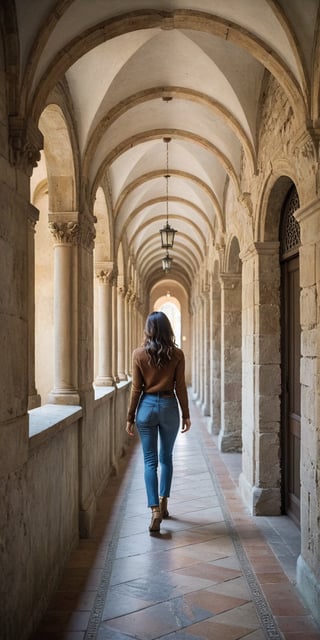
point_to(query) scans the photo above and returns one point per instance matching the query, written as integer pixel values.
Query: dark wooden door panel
(291, 421)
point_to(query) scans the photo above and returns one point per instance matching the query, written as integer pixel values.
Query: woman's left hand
(130, 428)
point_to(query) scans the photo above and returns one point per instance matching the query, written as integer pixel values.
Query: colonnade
(117, 318)
(236, 354)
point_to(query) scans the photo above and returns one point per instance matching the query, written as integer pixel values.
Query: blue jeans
(157, 416)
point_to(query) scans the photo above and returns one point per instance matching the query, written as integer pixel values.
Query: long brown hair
(159, 339)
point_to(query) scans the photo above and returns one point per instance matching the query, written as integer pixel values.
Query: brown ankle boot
(164, 507)
(155, 519)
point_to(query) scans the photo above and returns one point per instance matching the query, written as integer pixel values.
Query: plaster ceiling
(123, 60)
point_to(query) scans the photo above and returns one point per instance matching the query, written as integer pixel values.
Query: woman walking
(158, 381)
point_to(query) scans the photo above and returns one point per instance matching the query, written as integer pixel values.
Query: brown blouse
(149, 379)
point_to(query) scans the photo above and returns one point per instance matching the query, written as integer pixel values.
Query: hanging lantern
(167, 233)
(166, 263)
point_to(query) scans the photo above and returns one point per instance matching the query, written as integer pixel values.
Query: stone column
(128, 334)
(260, 478)
(193, 361)
(206, 352)
(122, 333)
(133, 314)
(65, 230)
(196, 342)
(34, 399)
(308, 567)
(200, 352)
(215, 369)
(114, 341)
(25, 141)
(230, 433)
(105, 278)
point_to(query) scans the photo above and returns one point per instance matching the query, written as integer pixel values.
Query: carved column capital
(65, 232)
(105, 272)
(26, 141)
(64, 226)
(104, 276)
(87, 232)
(122, 291)
(33, 217)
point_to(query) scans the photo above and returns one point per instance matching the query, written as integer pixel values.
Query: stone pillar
(308, 567)
(122, 333)
(128, 333)
(260, 479)
(34, 399)
(215, 368)
(105, 276)
(65, 230)
(197, 328)
(25, 141)
(200, 352)
(193, 353)
(114, 341)
(230, 433)
(133, 321)
(131, 329)
(206, 352)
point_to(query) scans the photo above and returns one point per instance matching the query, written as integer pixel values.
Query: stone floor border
(268, 622)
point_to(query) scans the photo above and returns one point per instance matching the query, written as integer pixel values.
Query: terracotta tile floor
(210, 574)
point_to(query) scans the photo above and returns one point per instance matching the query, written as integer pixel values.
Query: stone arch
(104, 232)
(273, 205)
(54, 193)
(264, 319)
(174, 20)
(170, 305)
(59, 158)
(169, 288)
(232, 257)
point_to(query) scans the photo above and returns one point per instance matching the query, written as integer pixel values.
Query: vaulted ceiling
(139, 71)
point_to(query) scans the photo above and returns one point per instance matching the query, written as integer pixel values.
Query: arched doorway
(171, 307)
(290, 356)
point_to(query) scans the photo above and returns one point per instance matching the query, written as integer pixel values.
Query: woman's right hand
(130, 428)
(186, 424)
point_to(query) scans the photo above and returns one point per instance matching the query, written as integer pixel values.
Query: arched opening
(282, 228)
(103, 279)
(171, 307)
(169, 290)
(289, 236)
(54, 193)
(44, 288)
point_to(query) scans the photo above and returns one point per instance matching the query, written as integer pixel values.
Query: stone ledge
(46, 421)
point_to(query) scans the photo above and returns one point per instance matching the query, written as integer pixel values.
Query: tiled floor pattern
(210, 573)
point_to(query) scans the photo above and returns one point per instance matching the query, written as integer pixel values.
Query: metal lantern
(167, 233)
(166, 263)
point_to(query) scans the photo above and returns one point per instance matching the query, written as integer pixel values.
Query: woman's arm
(181, 389)
(136, 390)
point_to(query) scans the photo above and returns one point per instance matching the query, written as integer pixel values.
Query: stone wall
(39, 502)
(308, 571)
(38, 528)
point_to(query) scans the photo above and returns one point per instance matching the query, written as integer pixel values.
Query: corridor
(211, 573)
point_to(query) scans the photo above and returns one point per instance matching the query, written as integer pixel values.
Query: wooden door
(291, 419)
